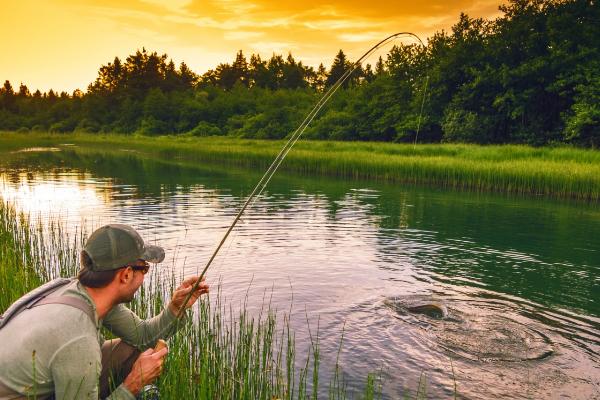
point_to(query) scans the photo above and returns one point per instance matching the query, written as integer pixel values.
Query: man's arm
(143, 334)
(76, 369)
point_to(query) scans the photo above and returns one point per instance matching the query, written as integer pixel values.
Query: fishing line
(265, 179)
(421, 112)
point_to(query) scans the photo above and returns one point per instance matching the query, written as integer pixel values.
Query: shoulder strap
(69, 301)
(29, 299)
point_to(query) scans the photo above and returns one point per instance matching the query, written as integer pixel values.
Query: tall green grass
(220, 353)
(31, 254)
(550, 171)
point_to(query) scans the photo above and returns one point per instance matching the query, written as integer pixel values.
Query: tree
(258, 73)
(7, 96)
(23, 91)
(240, 69)
(380, 67)
(368, 74)
(187, 77)
(321, 78)
(339, 66)
(293, 74)
(583, 119)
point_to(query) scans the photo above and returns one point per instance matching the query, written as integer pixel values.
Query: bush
(153, 126)
(206, 129)
(335, 125)
(62, 127)
(460, 125)
(87, 126)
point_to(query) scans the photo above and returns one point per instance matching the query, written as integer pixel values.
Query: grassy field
(550, 171)
(218, 354)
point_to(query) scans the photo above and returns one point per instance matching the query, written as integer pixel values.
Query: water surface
(338, 253)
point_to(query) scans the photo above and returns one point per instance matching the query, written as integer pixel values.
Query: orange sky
(60, 44)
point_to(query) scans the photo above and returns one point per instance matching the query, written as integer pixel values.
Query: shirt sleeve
(143, 334)
(76, 370)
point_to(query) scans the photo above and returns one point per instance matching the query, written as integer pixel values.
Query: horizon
(57, 45)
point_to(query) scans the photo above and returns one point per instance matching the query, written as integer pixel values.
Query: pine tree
(293, 74)
(379, 67)
(7, 89)
(257, 72)
(187, 76)
(23, 90)
(321, 78)
(240, 69)
(338, 68)
(7, 96)
(275, 68)
(368, 74)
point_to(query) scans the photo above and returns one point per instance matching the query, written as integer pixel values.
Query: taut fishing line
(262, 183)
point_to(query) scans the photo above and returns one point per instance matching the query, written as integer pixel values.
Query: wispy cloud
(242, 35)
(359, 37)
(272, 47)
(336, 24)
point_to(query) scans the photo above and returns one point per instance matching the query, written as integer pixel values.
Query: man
(54, 350)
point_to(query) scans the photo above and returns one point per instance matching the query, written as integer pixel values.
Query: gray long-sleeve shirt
(55, 348)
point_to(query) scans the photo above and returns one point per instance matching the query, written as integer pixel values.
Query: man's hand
(176, 305)
(145, 370)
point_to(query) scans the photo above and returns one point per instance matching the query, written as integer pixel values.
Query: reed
(219, 353)
(563, 172)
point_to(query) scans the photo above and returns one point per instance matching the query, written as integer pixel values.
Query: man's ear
(124, 275)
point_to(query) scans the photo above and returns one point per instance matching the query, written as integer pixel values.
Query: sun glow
(46, 197)
(60, 44)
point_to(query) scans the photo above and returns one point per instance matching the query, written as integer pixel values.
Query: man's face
(136, 272)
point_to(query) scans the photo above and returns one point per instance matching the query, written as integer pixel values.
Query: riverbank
(562, 172)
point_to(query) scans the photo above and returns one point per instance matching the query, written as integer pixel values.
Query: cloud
(272, 47)
(335, 24)
(359, 37)
(242, 35)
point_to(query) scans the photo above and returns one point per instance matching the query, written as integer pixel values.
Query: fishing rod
(264, 180)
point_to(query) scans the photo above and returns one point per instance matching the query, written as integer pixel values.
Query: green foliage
(206, 129)
(583, 119)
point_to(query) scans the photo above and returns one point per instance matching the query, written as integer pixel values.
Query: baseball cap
(115, 245)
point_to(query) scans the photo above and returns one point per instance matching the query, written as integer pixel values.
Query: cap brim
(153, 254)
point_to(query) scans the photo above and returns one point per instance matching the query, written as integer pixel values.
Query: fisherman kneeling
(51, 346)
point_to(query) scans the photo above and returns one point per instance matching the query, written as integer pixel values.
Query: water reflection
(343, 247)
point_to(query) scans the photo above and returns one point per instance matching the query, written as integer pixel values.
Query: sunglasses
(144, 268)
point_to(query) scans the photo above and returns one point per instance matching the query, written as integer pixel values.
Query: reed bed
(218, 353)
(563, 172)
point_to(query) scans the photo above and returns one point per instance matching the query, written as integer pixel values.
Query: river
(518, 276)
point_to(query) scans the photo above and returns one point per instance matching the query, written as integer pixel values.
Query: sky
(61, 44)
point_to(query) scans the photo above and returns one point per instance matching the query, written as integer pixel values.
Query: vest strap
(69, 301)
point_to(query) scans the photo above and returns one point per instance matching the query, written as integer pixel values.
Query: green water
(345, 246)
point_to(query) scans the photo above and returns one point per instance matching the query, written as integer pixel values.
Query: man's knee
(118, 354)
(118, 358)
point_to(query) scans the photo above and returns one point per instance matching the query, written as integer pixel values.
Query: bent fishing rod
(262, 183)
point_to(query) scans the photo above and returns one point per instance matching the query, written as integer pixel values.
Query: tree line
(530, 76)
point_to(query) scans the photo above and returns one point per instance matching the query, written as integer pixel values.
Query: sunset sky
(60, 44)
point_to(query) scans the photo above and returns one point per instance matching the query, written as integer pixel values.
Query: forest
(530, 76)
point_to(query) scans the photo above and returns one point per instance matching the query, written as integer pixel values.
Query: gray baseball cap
(116, 245)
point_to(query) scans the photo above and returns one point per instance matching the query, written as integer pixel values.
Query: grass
(218, 354)
(562, 172)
